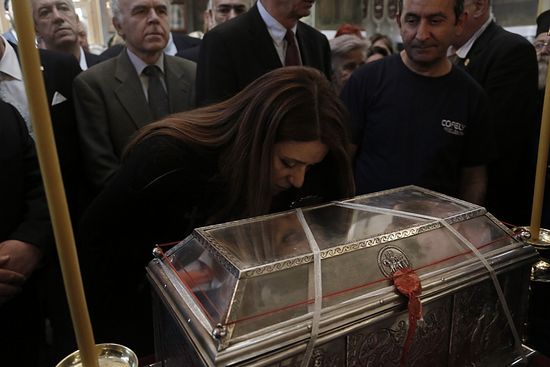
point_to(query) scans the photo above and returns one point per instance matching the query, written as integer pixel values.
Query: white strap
(317, 306)
(463, 239)
(496, 284)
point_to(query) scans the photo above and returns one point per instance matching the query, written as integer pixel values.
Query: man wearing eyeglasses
(505, 65)
(217, 12)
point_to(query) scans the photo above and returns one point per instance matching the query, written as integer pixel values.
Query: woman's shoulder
(161, 156)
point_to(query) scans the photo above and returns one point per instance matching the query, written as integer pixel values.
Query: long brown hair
(286, 104)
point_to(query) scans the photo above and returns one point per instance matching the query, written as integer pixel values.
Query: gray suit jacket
(111, 106)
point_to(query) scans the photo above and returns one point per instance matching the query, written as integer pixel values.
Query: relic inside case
(316, 283)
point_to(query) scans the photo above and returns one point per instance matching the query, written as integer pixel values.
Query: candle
(542, 161)
(55, 193)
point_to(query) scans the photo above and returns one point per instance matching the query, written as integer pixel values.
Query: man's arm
(473, 184)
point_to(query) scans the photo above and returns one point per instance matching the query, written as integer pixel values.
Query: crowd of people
(164, 132)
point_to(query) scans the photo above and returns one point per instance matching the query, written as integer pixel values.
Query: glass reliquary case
(313, 286)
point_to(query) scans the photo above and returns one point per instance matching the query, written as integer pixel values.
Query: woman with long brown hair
(282, 138)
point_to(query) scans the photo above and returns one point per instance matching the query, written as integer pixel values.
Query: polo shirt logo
(453, 127)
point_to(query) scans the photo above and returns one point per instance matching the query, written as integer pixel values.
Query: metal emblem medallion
(391, 259)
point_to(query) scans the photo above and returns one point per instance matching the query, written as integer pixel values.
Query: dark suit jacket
(59, 71)
(191, 53)
(111, 106)
(24, 215)
(505, 65)
(235, 53)
(92, 59)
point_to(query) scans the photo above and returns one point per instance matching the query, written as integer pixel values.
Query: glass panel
(262, 242)
(416, 201)
(210, 283)
(484, 234)
(335, 225)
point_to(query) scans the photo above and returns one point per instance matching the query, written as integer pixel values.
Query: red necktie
(292, 57)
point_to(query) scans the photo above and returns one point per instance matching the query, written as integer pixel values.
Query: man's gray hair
(117, 13)
(343, 44)
(115, 10)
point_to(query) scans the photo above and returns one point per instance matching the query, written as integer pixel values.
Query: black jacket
(235, 53)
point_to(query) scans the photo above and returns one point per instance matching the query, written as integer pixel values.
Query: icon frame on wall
(178, 17)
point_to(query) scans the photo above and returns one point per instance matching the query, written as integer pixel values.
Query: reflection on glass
(262, 242)
(417, 201)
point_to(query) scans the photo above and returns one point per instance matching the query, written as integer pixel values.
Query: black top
(236, 52)
(161, 192)
(413, 129)
(24, 214)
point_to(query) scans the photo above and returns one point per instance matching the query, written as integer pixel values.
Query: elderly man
(542, 47)
(416, 118)
(505, 65)
(217, 12)
(57, 27)
(220, 11)
(142, 84)
(267, 37)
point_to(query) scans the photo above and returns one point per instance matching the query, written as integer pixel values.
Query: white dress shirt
(12, 87)
(277, 32)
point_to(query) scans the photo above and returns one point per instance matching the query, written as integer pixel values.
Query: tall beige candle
(542, 161)
(55, 193)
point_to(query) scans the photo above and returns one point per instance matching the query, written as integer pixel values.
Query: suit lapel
(45, 74)
(479, 46)
(261, 40)
(304, 44)
(177, 86)
(130, 92)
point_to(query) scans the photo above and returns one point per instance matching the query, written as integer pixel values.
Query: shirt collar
(83, 62)
(170, 48)
(140, 65)
(9, 64)
(463, 51)
(276, 29)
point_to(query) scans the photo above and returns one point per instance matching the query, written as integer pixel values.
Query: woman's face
(291, 161)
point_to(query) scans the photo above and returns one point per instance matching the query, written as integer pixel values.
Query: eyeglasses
(226, 8)
(540, 46)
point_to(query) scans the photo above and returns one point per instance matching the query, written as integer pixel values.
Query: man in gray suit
(142, 84)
